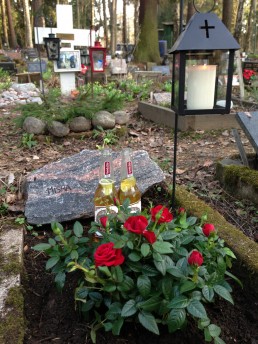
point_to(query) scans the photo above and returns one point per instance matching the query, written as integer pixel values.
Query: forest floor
(51, 316)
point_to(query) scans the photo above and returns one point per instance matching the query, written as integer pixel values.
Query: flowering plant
(248, 75)
(152, 268)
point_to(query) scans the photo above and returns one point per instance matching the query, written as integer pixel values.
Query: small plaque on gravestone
(64, 190)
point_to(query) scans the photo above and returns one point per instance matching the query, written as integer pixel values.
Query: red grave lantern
(97, 57)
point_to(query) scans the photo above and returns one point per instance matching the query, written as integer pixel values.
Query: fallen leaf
(179, 171)
(208, 163)
(35, 157)
(133, 133)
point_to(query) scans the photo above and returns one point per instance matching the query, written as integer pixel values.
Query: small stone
(104, 119)
(121, 117)
(58, 129)
(33, 125)
(79, 124)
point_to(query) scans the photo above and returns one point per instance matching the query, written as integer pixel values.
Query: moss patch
(13, 324)
(244, 248)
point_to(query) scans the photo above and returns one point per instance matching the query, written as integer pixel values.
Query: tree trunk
(238, 27)
(13, 38)
(190, 10)
(136, 22)
(27, 24)
(124, 22)
(105, 23)
(39, 19)
(147, 49)
(251, 22)
(227, 13)
(5, 39)
(113, 25)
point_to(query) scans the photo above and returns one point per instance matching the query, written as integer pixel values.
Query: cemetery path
(51, 316)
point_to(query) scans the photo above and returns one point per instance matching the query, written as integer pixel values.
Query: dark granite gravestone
(64, 190)
(248, 121)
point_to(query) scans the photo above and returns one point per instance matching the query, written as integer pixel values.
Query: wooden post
(240, 75)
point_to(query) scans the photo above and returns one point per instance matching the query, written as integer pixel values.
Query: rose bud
(181, 211)
(161, 214)
(207, 229)
(195, 258)
(150, 236)
(104, 221)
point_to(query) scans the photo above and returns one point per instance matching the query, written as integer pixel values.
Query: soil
(51, 315)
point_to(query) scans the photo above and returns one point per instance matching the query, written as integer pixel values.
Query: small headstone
(64, 190)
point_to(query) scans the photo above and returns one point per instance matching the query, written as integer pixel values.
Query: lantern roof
(205, 31)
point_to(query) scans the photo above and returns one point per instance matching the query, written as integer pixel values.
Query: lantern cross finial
(207, 27)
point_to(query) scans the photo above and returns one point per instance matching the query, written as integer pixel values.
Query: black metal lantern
(52, 45)
(203, 66)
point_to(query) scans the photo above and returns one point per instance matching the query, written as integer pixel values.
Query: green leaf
(144, 285)
(202, 323)
(114, 311)
(218, 340)
(149, 322)
(176, 319)
(126, 285)
(221, 291)
(197, 309)
(150, 305)
(60, 279)
(41, 247)
(208, 293)
(161, 267)
(78, 229)
(187, 239)
(88, 305)
(81, 293)
(117, 325)
(180, 301)
(234, 278)
(109, 287)
(52, 241)
(166, 286)
(228, 252)
(134, 256)
(129, 309)
(130, 245)
(145, 249)
(108, 326)
(207, 336)
(74, 255)
(221, 265)
(149, 270)
(186, 286)
(52, 262)
(119, 244)
(174, 271)
(169, 235)
(117, 273)
(157, 257)
(162, 247)
(105, 270)
(214, 330)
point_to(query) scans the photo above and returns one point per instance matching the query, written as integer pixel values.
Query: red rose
(107, 255)
(161, 214)
(207, 229)
(150, 236)
(195, 258)
(104, 221)
(136, 224)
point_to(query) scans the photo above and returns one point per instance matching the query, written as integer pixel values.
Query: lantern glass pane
(206, 79)
(98, 60)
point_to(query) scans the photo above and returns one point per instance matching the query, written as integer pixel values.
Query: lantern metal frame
(97, 58)
(52, 46)
(205, 40)
(205, 37)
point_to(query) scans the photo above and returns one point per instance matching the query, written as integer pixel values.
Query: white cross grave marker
(69, 36)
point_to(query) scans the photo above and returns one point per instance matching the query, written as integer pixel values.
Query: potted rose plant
(152, 268)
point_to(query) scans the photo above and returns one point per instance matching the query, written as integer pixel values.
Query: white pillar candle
(201, 87)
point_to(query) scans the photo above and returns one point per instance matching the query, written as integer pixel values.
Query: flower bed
(151, 268)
